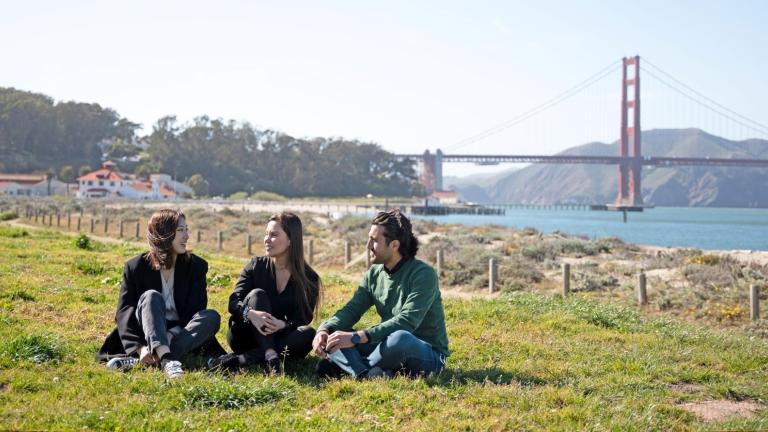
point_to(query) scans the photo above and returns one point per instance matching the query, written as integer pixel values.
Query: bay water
(692, 227)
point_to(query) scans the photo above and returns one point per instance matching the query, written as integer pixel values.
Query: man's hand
(261, 320)
(319, 343)
(338, 340)
(146, 357)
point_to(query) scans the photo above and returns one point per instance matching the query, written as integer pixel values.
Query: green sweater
(408, 299)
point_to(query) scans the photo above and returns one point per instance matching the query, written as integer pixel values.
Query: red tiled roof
(102, 174)
(166, 191)
(142, 186)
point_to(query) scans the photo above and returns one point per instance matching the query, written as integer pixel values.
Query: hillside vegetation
(676, 186)
(520, 361)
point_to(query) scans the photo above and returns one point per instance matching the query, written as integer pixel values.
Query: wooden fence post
(106, 224)
(248, 243)
(137, 230)
(642, 295)
(439, 263)
(347, 252)
(121, 229)
(310, 251)
(199, 237)
(58, 219)
(566, 279)
(79, 219)
(754, 302)
(491, 275)
(69, 220)
(93, 224)
(220, 239)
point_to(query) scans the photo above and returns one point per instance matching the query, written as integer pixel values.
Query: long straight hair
(161, 230)
(291, 224)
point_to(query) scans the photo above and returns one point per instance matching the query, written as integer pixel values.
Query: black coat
(189, 294)
(260, 273)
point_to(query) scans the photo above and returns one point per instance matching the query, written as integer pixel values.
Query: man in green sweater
(411, 337)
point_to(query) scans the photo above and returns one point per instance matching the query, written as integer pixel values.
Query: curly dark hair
(395, 226)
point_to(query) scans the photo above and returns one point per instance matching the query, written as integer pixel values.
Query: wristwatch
(355, 338)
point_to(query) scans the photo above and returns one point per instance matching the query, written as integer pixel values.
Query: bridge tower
(630, 167)
(431, 173)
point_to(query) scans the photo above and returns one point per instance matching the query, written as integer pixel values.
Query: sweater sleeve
(346, 317)
(131, 335)
(423, 292)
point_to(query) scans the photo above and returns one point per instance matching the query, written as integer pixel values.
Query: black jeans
(243, 338)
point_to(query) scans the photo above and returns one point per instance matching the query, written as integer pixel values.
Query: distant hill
(679, 186)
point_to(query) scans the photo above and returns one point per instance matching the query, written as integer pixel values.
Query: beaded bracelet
(246, 309)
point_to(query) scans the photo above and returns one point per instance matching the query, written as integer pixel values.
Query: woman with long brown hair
(162, 310)
(273, 302)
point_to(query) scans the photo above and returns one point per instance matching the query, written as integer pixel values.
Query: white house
(107, 182)
(443, 197)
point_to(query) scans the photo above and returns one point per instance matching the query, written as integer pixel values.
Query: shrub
(83, 242)
(90, 267)
(593, 281)
(537, 252)
(12, 232)
(516, 274)
(705, 259)
(9, 215)
(34, 348)
(226, 211)
(238, 196)
(267, 196)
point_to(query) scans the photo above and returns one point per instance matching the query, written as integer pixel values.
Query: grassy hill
(523, 361)
(678, 186)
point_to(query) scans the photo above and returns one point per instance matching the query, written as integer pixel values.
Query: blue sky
(409, 76)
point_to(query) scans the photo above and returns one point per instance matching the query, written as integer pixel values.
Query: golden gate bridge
(630, 159)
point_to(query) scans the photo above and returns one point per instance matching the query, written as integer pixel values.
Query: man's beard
(376, 259)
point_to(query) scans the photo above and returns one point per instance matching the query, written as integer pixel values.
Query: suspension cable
(538, 109)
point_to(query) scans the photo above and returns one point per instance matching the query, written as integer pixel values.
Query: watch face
(355, 338)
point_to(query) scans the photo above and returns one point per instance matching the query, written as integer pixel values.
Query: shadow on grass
(452, 377)
(303, 372)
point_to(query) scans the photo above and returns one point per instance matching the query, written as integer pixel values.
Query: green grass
(521, 361)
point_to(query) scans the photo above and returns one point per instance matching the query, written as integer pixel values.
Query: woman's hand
(275, 325)
(147, 357)
(263, 321)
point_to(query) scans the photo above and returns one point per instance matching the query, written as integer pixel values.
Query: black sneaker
(227, 362)
(327, 369)
(377, 372)
(274, 366)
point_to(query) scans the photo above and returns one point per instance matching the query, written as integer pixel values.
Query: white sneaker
(172, 369)
(122, 363)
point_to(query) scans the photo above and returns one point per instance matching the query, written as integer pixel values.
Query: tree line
(214, 156)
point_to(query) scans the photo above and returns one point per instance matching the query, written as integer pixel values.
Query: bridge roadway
(605, 160)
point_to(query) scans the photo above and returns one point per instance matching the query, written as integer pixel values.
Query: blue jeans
(400, 351)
